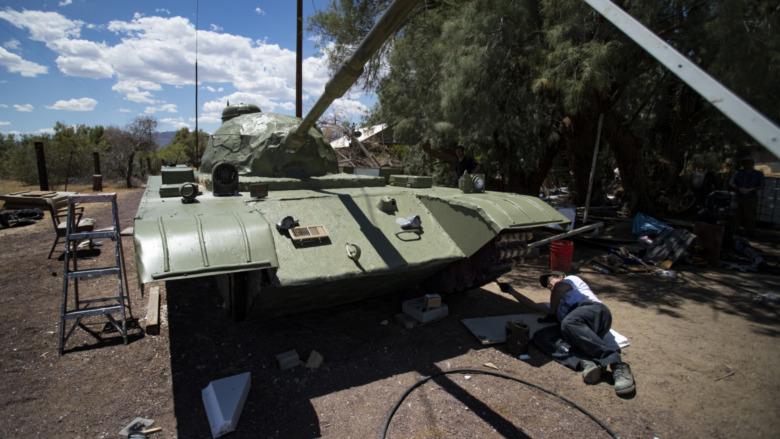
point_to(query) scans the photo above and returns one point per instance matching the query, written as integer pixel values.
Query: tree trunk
(628, 152)
(130, 170)
(523, 178)
(580, 142)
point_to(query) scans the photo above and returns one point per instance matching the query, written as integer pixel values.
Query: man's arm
(556, 295)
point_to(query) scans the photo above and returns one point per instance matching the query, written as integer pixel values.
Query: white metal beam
(740, 112)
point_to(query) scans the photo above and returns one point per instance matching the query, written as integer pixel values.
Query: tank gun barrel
(350, 70)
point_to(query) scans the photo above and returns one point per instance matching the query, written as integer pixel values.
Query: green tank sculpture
(281, 229)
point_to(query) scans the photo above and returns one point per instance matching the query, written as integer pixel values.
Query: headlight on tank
(188, 192)
(479, 182)
(469, 183)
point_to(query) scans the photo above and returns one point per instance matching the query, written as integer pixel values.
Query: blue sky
(104, 62)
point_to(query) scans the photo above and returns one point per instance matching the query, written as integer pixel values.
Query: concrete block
(224, 400)
(406, 321)
(288, 360)
(315, 360)
(416, 308)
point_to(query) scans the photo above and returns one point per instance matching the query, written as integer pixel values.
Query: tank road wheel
(234, 289)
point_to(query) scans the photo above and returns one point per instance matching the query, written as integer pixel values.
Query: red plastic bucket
(560, 255)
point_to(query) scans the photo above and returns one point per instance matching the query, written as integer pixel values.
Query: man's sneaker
(624, 380)
(591, 372)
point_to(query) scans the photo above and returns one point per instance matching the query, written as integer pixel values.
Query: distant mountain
(164, 138)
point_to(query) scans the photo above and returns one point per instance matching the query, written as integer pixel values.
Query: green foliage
(19, 160)
(181, 150)
(420, 163)
(523, 84)
(69, 153)
(345, 23)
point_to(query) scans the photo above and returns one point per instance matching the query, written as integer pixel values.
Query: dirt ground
(704, 351)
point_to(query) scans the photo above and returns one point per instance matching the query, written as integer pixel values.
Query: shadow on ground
(361, 344)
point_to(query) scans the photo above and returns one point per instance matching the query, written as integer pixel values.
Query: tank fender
(184, 246)
(472, 220)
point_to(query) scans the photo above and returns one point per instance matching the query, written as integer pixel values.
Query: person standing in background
(747, 182)
(463, 164)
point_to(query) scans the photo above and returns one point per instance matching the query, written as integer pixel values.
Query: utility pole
(298, 63)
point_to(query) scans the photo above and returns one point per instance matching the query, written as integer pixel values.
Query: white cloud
(15, 64)
(65, 2)
(158, 51)
(347, 109)
(259, 11)
(82, 104)
(3, 106)
(12, 44)
(45, 131)
(162, 10)
(165, 108)
(3, 122)
(26, 108)
(84, 59)
(48, 27)
(176, 123)
(215, 28)
(132, 90)
(125, 110)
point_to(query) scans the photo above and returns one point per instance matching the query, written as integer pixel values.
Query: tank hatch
(232, 111)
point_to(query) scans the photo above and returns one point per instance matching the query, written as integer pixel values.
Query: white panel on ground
(491, 330)
(224, 400)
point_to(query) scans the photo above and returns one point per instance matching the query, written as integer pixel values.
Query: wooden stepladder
(76, 307)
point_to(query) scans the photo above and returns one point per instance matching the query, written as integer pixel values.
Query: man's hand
(549, 318)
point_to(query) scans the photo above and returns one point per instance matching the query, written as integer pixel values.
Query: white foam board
(491, 330)
(224, 400)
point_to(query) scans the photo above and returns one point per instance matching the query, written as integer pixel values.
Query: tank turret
(274, 145)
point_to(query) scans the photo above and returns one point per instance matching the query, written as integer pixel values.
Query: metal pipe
(593, 169)
(565, 235)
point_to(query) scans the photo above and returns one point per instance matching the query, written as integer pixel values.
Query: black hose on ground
(496, 374)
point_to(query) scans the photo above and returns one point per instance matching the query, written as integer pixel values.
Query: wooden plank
(153, 312)
(39, 194)
(92, 198)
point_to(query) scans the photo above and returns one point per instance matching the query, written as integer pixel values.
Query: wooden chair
(59, 217)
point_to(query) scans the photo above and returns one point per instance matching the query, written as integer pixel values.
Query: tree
(18, 159)
(70, 153)
(347, 22)
(181, 150)
(523, 86)
(140, 138)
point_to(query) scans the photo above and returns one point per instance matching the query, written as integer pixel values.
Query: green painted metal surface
(252, 143)
(174, 240)
(361, 237)
(218, 235)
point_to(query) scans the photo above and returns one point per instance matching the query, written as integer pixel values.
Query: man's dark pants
(584, 328)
